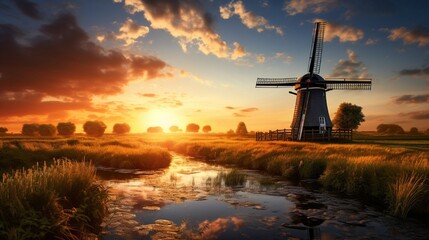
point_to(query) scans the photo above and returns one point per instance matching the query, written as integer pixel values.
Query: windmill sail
(316, 48)
(275, 82)
(348, 84)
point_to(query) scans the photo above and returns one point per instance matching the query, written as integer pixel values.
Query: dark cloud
(413, 99)
(418, 36)
(238, 115)
(249, 109)
(417, 115)
(350, 67)
(415, 72)
(61, 62)
(230, 108)
(28, 8)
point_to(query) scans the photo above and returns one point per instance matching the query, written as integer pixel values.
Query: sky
(169, 62)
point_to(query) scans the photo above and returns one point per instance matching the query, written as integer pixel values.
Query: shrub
(30, 129)
(121, 128)
(390, 129)
(156, 129)
(174, 129)
(241, 129)
(414, 130)
(207, 128)
(94, 128)
(192, 127)
(348, 116)
(47, 130)
(3, 130)
(66, 128)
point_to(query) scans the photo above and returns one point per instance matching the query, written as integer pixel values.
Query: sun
(164, 118)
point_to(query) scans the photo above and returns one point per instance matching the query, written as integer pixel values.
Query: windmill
(311, 110)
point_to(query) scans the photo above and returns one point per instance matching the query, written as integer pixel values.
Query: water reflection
(194, 200)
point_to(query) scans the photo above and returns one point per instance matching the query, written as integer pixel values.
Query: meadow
(394, 177)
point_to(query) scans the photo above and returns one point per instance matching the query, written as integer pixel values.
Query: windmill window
(322, 120)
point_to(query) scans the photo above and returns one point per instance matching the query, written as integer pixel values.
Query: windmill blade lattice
(348, 84)
(275, 82)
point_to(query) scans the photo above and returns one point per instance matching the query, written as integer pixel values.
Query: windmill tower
(311, 109)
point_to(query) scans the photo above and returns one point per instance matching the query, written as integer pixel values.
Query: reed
(61, 201)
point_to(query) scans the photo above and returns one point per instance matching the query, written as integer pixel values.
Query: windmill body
(311, 109)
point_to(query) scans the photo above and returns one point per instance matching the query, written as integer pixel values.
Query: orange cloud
(417, 36)
(424, 98)
(294, 7)
(342, 32)
(238, 52)
(151, 95)
(62, 63)
(185, 20)
(130, 31)
(417, 115)
(253, 109)
(248, 18)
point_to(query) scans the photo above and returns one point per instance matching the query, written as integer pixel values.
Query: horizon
(168, 63)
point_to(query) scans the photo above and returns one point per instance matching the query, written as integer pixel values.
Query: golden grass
(62, 201)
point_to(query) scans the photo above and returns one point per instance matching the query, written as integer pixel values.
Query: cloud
(287, 58)
(28, 8)
(342, 32)
(238, 52)
(416, 72)
(350, 8)
(371, 41)
(185, 20)
(130, 31)
(61, 62)
(417, 115)
(186, 74)
(418, 36)
(260, 58)
(294, 7)
(247, 110)
(150, 95)
(230, 108)
(248, 18)
(351, 67)
(412, 99)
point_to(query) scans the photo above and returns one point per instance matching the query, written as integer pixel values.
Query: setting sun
(164, 118)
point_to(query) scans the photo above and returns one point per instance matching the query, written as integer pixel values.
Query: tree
(192, 127)
(174, 129)
(230, 132)
(390, 129)
(30, 129)
(427, 131)
(207, 128)
(121, 128)
(156, 129)
(348, 116)
(241, 129)
(66, 128)
(47, 130)
(414, 130)
(3, 130)
(94, 128)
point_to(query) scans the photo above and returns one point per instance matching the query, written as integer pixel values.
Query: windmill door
(322, 125)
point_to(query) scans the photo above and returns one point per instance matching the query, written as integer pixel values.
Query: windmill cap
(309, 80)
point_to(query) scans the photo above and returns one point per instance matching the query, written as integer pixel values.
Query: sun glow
(164, 118)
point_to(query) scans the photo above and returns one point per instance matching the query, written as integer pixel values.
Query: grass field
(392, 173)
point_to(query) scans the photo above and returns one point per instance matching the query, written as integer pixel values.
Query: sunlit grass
(62, 201)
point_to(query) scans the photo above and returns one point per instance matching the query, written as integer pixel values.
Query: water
(195, 200)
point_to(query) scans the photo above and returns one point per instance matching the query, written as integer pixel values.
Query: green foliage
(390, 129)
(30, 129)
(66, 128)
(62, 201)
(241, 129)
(94, 128)
(207, 128)
(348, 116)
(156, 129)
(121, 128)
(47, 130)
(192, 127)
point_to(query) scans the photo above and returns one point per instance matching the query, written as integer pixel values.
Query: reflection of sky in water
(191, 200)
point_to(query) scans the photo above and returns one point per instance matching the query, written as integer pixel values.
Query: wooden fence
(307, 135)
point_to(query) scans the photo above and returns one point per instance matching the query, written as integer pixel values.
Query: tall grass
(365, 171)
(62, 201)
(110, 153)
